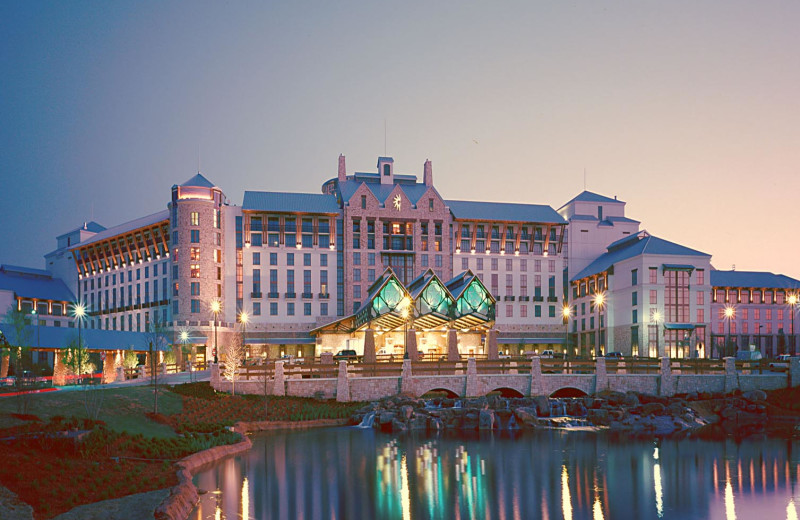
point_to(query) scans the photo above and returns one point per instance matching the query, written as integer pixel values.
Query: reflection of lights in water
(566, 501)
(791, 510)
(405, 496)
(217, 513)
(657, 485)
(730, 506)
(597, 508)
(245, 499)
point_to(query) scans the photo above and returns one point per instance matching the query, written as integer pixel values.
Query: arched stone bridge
(469, 383)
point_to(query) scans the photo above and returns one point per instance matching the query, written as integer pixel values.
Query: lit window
(195, 218)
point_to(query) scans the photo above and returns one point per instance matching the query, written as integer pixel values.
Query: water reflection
(352, 473)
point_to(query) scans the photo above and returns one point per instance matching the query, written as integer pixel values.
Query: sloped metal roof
(33, 283)
(505, 211)
(198, 181)
(588, 196)
(413, 191)
(289, 202)
(639, 244)
(127, 227)
(92, 227)
(752, 279)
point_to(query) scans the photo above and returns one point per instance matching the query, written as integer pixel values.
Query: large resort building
(381, 257)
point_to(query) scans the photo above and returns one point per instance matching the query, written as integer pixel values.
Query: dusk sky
(687, 110)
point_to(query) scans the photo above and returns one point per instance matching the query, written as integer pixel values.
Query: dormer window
(387, 169)
(599, 212)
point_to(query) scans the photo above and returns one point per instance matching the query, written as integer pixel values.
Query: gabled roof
(588, 196)
(640, 243)
(413, 191)
(121, 229)
(91, 227)
(505, 211)
(289, 202)
(753, 279)
(93, 339)
(198, 181)
(25, 282)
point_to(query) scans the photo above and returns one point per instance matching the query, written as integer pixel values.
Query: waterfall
(367, 421)
(512, 424)
(457, 404)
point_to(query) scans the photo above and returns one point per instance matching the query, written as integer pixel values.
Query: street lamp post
(184, 337)
(599, 302)
(729, 312)
(244, 318)
(215, 308)
(793, 301)
(79, 311)
(657, 320)
(405, 305)
(566, 313)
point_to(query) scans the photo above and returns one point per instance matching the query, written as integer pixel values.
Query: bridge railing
(504, 366)
(387, 369)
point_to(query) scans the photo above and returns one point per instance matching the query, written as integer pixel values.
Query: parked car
(614, 355)
(346, 355)
(780, 363)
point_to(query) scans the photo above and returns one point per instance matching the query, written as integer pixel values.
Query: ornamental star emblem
(397, 202)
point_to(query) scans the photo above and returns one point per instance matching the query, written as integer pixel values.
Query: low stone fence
(666, 382)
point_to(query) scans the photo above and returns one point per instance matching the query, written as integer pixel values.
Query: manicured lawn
(123, 409)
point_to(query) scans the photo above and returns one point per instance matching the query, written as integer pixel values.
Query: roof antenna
(198, 157)
(384, 137)
(584, 178)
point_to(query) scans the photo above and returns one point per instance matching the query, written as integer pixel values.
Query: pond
(550, 474)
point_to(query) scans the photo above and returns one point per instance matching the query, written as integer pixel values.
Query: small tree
(130, 360)
(18, 334)
(234, 352)
(76, 359)
(157, 340)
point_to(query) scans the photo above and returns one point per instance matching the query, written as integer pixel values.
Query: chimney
(342, 169)
(427, 176)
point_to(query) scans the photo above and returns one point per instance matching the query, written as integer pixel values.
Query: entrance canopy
(427, 302)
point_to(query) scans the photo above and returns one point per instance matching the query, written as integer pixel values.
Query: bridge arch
(448, 393)
(569, 391)
(507, 392)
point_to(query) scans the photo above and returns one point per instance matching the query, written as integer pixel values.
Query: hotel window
(307, 232)
(700, 298)
(307, 259)
(306, 309)
(323, 282)
(195, 270)
(768, 297)
(273, 283)
(194, 254)
(509, 285)
(551, 266)
(424, 231)
(479, 264)
(273, 259)
(634, 298)
(509, 311)
(195, 216)
(323, 309)
(757, 297)
(290, 281)
(437, 231)
(370, 234)
(523, 285)
(744, 314)
(256, 258)
(430, 204)
(356, 275)
(324, 232)
(701, 276)
(219, 273)
(289, 258)
(634, 316)
(195, 288)
(424, 260)
(195, 306)
(216, 219)
(217, 239)
(371, 275)
(357, 291)
(494, 264)
(537, 266)
(363, 202)
(323, 260)
(653, 274)
(273, 231)
(634, 277)
(290, 309)
(551, 311)
(256, 308)
(356, 234)
(537, 286)
(273, 308)
(745, 328)
(195, 236)
(290, 232)
(370, 259)
(356, 258)
(523, 311)
(464, 264)
(509, 264)
(537, 311)
(768, 314)
(653, 296)
(495, 284)
(438, 260)
(780, 314)
(257, 282)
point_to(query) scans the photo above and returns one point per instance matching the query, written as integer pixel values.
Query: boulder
(542, 404)
(631, 399)
(398, 425)
(419, 422)
(526, 415)
(650, 409)
(486, 420)
(470, 421)
(406, 411)
(599, 417)
(614, 398)
(755, 395)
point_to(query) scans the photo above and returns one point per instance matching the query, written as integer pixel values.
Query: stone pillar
(667, 386)
(162, 369)
(4, 360)
(342, 384)
(411, 347)
(452, 345)
(491, 344)
(326, 358)
(279, 384)
(537, 382)
(406, 381)
(120, 374)
(794, 372)
(147, 359)
(369, 346)
(600, 375)
(731, 377)
(109, 367)
(59, 370)
(472, 389)
(215, 376)
(143, 372)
